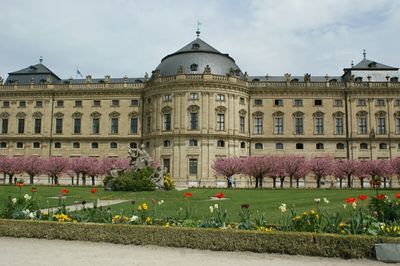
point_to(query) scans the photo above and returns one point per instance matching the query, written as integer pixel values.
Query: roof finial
(198, 29)
(352, 63)
(364, 54)
(41, 59)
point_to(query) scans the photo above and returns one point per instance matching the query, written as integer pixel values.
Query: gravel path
(23, 251)
(77, 207)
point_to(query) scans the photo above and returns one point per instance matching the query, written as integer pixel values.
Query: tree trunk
(384, 182)
(290, 181)
(282, 181)
(77, 179)
(83, 179)
(318, 182)
(93, 180)
(261, 182)
(10, 178)
(340, 183)
(362, 183)
(257, 182)
(349, 181)
(297, 183)
(72, 179)
(274, 182)
(31, 177)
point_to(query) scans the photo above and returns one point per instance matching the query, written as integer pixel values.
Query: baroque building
(196, 106)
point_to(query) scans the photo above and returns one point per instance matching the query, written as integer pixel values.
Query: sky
(130, 37)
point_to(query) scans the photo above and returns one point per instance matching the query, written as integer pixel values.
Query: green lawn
(264, 200)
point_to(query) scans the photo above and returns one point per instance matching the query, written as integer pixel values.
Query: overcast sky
(129, 37)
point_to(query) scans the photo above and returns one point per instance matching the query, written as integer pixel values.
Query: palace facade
(196, 106)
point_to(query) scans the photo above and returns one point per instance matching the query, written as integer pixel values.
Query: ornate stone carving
(107, 79)
(207, 70)
(193, 108)
(166, 109)
(4, 115)
(220, 109)
(258, 113)
(21, 115)
(307, 78)
(288, 77)
(245, 76)
(37, 115)
(242, 112)
(77, 114)
(133, 114)
(278, 113)
(95, 114)
(88, 79)
(58, 115)
(114, 114)
(180, 70)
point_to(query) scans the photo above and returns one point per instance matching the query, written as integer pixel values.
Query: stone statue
(1, 81)
(307, 78)
(207, 70)
(158, 178)
(114, 172)
(133, 154)
(180, 70)
(288, 77)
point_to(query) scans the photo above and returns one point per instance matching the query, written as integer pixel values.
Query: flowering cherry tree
(321, 167)
(10, 166)
(395, 164)
(277, 170)
(32, 165)
(257, 167)
(346, 169)
(376, 169)
(81, 167)
(227, 167)
(97, 168)
(294, 166)
(54, 167)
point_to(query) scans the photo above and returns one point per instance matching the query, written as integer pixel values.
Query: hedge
(309, 244)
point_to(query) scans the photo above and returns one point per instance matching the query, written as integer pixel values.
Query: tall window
(148, 123)
(134, 125)
(258, 122)
(59, 125)
(362, 123)
(167, 165)
(95, 125)
(192, 166)
(242, 124)
(4, 125)
(114, 125)
(220, 122)
(278, 123)
(397, 122)
(194, 120)
(318, 123)
(77, 125)
(339, 124)
(298, 123)
(21, 125)
(38, 126)
(381, 123)
(167, 121)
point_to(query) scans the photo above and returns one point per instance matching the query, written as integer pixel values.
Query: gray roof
(194, 57)
(38, 74)
(366, 64)
(299, 78)
(96, 80)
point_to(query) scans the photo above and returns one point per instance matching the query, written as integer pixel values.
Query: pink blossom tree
(257, 167)
(321, 167)
(10, 166)
(395, 164)
(98, 168)
(227, 167)
(376, 169)
(277, 170)
(81, 167)
(294, 166)
(33, 166)
(346, 169)
(54, 167)
(302, 172)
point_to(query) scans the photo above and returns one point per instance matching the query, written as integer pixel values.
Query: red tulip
(220, 195)
(64, 191)
(397, 195)
(93, 190)
(19, 184)
(381, 196)
(33, 190)
(362, 197)
(351, 200)
(187, 194)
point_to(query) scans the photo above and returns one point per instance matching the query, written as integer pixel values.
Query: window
(114, 103)
(242, 100)
(363, 146)
(397, 123)
(114, 125)
(258, 146)
(38, 126)
(36, 145)
(242, 124)
(147, 144)
(167, 143)
(76, 145)
(298, 102)
(134, 102)
(338, 103)
(397, 102)
(220, 122)
(95, 125)
(298, 123)
(167, 165)
(278, 124)
(258, 102)
(319, 146)
(59, 125)
(6, 104)
(319, 124)
(242, 145)
(193, 67)
(167, 97)
(94, 145)
(193, 96)
(78, 103)
(362, 123)
(339, 125)
(167, 122)
(278, 102)
(59, 103)
(380, 102)
(299, 146)
(39, 104)
(113, 145)
(22, 104)
(279, 146)
(148, 123)
(4, 125)
(134, 125)
(361, 102)
(258, 125)
(21, 125)
(220, 97)
(194, 120)
(193, 143)
(220, 143)
(20, 145)
(57, 145)
(382, 146)
(96, 103)
(339, 146)
(192, 166)
(133, 145)
(381, 124)
(3, 144)
(318, 102)
(77, 125)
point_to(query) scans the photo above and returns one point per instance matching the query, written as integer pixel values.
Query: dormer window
(193, 67)
(195, 46)
(358, 79)
(372, 64)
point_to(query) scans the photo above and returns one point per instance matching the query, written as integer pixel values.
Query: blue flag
(79, 73)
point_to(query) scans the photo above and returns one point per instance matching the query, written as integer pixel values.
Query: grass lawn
(264, 200)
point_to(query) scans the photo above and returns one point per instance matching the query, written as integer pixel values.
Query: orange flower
(397, 195)
(93, 190)
(362, 197)
(64, 191)
(381, 196)
(33, 189)
(220, 195)
(19, 184)
(350, 200)
(187, 194)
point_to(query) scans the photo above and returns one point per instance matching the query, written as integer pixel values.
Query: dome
(194, 57)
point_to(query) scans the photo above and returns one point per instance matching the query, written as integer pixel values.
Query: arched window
(193, 117)
(339, 146)
(57, 145)
(318, 123)
(382, 146)
(220, 143)
(279, 146)
(3, 144)
(95, 145)
(242, 145)
(380, 123)
(167, 116)
(113, 145)
(319, 146)
(363, 146)
(339, 123)
(278, 122)
(258, 122)
(299, 146)
(36, 145)
(362, 122)
(258, 146)
(298, 123)
(76, 145)
(133, 145)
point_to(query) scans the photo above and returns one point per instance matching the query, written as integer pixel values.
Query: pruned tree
(227, 167)
(277, 170)
(294, 166)
(54, 167)
(257, 167)
(321, 167)
(346, 169)
(33, 166)
(10, 166)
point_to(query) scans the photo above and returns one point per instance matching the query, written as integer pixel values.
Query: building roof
(194, 57)
(38, 73)
(367, 64)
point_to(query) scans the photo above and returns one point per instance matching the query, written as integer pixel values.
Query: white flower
(26, 212)
(326, 201)
(354, 205)
(283, 207)
(216, 206)
(211, 209)
(344, 206)
(134, 218)
(31, 215)
(14, 200)
(317, 200)
(160, 202)
(27, 197)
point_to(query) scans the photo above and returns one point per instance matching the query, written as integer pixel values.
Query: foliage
(135, 181)
(385, 209)
(169, 183)
(22, 207)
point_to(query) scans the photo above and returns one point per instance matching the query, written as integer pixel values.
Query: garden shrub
(135, 181)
